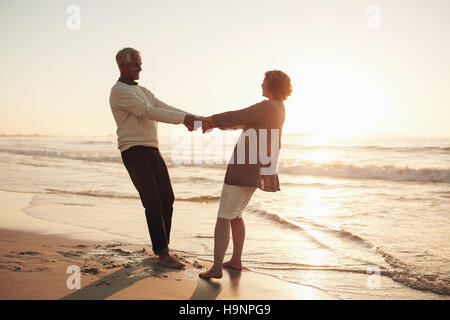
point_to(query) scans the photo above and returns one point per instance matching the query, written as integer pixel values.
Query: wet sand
(36, 258)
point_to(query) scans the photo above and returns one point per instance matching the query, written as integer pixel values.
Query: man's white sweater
(137, 111)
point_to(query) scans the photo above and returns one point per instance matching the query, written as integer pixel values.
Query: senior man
(137, 112)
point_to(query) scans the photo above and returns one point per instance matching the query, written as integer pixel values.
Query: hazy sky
(355, 68)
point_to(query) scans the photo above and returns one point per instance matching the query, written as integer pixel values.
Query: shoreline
(35, 256)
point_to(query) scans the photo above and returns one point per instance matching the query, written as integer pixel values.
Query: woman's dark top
(260, 121)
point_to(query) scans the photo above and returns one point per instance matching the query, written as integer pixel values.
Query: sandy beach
(36, 257)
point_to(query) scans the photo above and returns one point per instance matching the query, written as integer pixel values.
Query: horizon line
(305, 134)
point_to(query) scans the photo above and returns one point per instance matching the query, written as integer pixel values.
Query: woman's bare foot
(233, 265)
(211, 273)
(167, 260)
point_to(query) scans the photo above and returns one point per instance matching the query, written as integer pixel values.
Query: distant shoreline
(303, 134)
(24, 135)
(3, 135)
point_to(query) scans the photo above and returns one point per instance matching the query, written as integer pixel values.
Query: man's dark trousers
(149, 174)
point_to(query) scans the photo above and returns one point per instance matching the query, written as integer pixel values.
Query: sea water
(360, 218)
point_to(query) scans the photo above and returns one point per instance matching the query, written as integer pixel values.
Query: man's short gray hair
(124, 55)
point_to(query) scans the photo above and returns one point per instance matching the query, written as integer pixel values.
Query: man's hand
(189, 122)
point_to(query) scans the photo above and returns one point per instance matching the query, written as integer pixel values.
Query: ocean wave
(400, 271)
(410, 149)
(95, 142)
(299, 147)
(307, 168)
(415, 149)
(65, 155)
(93, 193)
(196, 179)
(304, 224)
(314, 268)
(414, 278)
(38, 165)
(203, 199)
(114, 157)
(287, 223)
(424, 282)
(351, 171)
(312, 184)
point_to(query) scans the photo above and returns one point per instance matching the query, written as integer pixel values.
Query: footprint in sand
(89, 271)
(71, 254)
(30, 253)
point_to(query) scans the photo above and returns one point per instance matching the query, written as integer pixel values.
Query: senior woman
(252, 166)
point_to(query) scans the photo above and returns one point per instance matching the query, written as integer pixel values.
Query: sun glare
(333, 101)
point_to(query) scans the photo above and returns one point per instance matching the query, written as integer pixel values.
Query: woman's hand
(207, 123)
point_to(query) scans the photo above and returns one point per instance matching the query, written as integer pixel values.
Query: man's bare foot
(167, 260)
(211, 273)
(233, 265)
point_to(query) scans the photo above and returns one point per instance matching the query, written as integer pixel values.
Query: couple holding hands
(136, 111)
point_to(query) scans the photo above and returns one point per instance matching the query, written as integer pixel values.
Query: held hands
(189, 122)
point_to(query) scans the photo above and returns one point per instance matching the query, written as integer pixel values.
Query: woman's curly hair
(278, 84)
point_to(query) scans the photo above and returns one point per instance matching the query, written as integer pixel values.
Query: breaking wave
(399, 271)
(351, 171)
